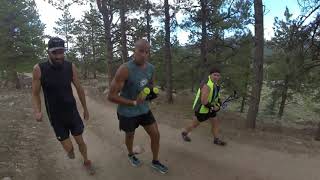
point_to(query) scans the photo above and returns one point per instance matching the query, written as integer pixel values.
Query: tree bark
(106, 9)
(245, 96)
(204, 40)
(168, 53)
(123, 28)
(257, 66)
(93, 52)
(243, 103)
(273, 102)
(284, 96)
(192, 80)
(318, 133)
(15, 79)
(148, 16)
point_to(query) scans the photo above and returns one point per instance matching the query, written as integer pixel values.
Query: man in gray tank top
(130, 79)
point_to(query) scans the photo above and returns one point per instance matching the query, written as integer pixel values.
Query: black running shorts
(129, 124)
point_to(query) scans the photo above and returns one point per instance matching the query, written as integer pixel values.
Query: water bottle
(155, 90)
(144, 93)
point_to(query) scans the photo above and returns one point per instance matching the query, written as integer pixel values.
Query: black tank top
(57, 90)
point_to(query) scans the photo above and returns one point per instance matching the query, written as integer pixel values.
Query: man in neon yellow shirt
(206, 105)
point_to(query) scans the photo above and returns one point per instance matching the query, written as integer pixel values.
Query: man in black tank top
(55, 77)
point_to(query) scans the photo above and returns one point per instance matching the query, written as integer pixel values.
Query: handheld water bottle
(144, 93)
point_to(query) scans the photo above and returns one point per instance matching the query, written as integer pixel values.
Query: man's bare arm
(77, 85)
(116, 86)
(204, 94)
(80, 92)
(36, 88)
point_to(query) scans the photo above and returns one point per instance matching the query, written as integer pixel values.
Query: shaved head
(141, 51)
(141, 43)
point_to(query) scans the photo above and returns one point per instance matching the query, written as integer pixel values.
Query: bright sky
(276, 8)
(48, 15)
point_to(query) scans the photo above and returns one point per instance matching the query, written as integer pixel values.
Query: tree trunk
(204, 40)
(94, 74)
(284, 95)
(168, 53)
(85, 61)
(318, 133)
(274, 99)
(148, 16)
(93, 53)
(67, 38)
(67, 42)
(257, 66)
(16, 79)
(243, 103)
(85, 71)
(107, 14)
(244, 98)
(2, 74)
(192, 80)
(109, 53)
(123, 27)
(13, 79)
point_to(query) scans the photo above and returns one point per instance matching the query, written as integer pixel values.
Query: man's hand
(215, 108)
(38, 116)
(86, 114)
(140, 100)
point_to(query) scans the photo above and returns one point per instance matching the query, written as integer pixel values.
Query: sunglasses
(143, 51)
(59, 51)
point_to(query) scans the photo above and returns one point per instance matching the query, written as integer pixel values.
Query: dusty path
(197, 160)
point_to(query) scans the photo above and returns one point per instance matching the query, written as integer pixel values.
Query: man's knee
(81, 143)
(194, 125)
(79, 140)
(215, 121)
(129, 135)
(67, 144)
(66, 141)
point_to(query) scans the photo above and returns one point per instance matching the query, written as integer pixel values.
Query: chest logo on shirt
(143, 82)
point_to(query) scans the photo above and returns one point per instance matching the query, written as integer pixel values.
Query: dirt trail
(199, 159)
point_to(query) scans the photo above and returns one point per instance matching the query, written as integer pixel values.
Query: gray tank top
(138, 79)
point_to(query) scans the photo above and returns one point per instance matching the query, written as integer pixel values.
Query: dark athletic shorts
(66, 123)
(204, 117)
(129, 124)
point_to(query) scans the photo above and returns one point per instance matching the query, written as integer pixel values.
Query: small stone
(6, 178)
